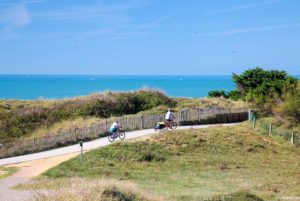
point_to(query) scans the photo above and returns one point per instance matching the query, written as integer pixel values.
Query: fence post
(254, 122)
(106, 125)
(270, 130)
(292, 138)
(81, 152)
(142, 123)
(250, 115)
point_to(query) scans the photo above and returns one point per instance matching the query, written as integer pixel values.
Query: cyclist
(114, 128)
(169, 118)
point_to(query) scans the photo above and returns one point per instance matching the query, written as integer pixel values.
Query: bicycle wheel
(111, 138)
(122, 135)
(174, 125)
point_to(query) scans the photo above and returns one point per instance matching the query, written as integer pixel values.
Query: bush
(261, 81)
(234, 95)
(262, 88)
(217, 93)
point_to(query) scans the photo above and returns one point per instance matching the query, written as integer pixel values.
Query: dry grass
(192, 103)
(65, 125)
(82, 189)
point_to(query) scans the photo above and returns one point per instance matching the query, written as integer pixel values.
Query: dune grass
(196, 164)
(32, 118)
(192, 103)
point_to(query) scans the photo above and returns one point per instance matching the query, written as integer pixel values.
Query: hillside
(196, 164)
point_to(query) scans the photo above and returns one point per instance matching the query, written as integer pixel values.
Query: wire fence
(268, 127)
(196, 116)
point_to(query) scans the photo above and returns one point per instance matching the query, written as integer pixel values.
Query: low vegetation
(224, 163)
(279, 131)
(83, 189)
(20, 118)
(23, 119)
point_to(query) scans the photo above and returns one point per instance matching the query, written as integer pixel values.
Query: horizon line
(113, 75)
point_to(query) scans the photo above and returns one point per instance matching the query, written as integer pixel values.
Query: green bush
(217, 93)
(263, 88)
(234, 95)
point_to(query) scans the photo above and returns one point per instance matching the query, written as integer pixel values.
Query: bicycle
(171, 125)
(118, 134)
(165, 125)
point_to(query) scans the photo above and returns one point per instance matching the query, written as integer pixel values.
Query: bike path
(90, 145)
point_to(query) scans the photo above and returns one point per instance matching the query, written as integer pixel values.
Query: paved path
(87, 146)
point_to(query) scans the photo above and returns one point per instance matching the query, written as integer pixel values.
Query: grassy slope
(195, 164)
(280, 130)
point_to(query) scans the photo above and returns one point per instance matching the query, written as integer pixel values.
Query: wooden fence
(128, 123)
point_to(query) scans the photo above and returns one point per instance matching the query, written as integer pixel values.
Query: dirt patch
(34, 168)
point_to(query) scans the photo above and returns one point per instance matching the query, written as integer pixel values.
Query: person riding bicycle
(114, 128)
(169, 117)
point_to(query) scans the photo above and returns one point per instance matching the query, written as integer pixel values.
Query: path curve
(90, 145)
(60, 155)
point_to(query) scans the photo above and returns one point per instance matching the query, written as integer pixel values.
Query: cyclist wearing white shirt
(114, 127)
(169, 116)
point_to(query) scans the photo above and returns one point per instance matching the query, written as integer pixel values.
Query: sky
(148, 37)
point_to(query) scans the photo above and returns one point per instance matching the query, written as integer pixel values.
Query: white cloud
(106, 12)
(16, 15)
(253, 29)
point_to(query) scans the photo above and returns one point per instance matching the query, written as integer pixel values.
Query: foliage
(263, 88)
(261, 81)
(234, 95)
(20, 118)
(217, 93)
(290, 107)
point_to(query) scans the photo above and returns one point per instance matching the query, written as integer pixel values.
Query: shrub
(234, 95)
(217, 93)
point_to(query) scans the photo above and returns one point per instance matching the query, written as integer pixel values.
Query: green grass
(6, 171)
(280, 130)
(196, 165)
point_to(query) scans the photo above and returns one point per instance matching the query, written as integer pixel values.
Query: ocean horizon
(30, 87)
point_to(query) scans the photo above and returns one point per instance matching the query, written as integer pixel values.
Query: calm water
(33, 87)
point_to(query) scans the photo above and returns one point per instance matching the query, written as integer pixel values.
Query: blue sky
(148, 36)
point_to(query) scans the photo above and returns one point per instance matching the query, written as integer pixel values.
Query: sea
(30, 87)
